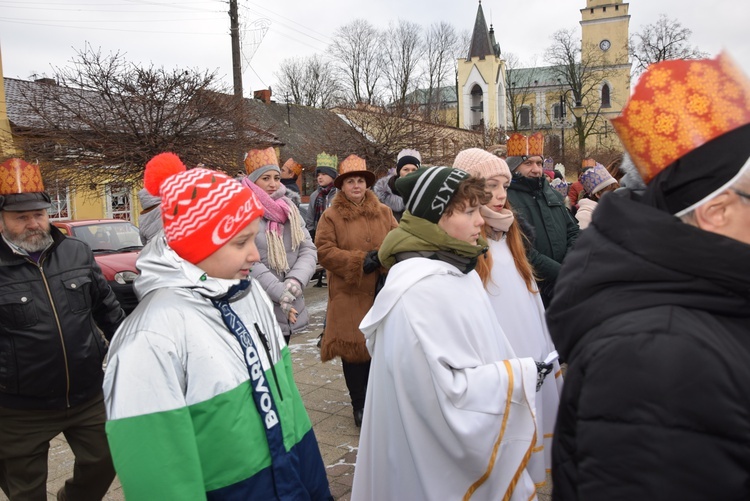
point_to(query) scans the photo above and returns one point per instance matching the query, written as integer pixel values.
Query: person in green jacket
(555, 229)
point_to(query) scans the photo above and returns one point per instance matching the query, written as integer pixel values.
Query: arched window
(556, 111)
(477, 106)
(524, 117)
(605, 96)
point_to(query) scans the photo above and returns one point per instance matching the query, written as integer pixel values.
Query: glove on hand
(372, 262)
(286, 301)
(542, 370)
(293, 286)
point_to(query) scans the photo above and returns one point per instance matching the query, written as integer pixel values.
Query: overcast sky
(36, 35)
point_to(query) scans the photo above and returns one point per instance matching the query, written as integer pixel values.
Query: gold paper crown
(19, 176)
(295, 167)
(680, 105)
(522, 146)
(588, 162)
(352, 163)
(325, 160)
(256, 159)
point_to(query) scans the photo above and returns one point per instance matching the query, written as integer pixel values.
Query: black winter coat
(555, 228)
(51, 349)
(653, 317)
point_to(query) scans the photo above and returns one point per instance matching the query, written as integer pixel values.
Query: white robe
(521, 315)
(449, 412)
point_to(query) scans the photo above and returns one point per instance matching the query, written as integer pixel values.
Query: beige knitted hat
(481, 163)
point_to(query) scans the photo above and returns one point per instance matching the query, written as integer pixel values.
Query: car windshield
(109, 237)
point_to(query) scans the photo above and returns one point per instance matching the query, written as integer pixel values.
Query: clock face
(604, 44)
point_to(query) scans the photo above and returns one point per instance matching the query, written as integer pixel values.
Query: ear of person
(714, 214)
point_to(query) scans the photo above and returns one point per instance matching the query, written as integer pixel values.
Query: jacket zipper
(59, 330)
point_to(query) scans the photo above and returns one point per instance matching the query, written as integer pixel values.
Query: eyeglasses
(742, 194)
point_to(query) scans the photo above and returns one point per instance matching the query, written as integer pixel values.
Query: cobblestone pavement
(326, 399)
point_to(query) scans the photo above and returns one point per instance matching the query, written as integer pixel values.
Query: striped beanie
(201, 209)
(428, 191)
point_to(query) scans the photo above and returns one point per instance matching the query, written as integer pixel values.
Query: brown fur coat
(346, 232)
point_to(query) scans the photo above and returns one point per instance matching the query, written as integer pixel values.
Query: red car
(116, 245)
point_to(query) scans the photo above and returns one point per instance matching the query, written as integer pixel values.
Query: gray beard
(33, 241)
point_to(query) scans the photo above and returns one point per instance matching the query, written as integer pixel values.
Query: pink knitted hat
(201, 209)
(481, 163)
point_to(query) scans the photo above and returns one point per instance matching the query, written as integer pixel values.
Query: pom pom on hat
(159, 168)
(201, 209)
(481, 163)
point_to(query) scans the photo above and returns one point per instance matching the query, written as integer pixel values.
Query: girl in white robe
(450, 409)
(512, 291)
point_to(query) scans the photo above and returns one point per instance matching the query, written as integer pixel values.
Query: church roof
(481, 45)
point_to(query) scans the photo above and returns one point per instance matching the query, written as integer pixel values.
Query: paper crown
(588, 162)
(325, 160)
(522, 146)
(560, 186)
(256, 159)
(596, 179)
(352, 165)
(680, 105)
(19, 176)
(293, 166)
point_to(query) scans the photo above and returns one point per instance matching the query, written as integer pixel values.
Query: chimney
(263, 94)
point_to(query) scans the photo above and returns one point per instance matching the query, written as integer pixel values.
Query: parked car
(116, 245)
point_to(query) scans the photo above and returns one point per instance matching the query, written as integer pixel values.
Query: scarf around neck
(278, 210)
(415, 236)
(499, 221)
(320, 201)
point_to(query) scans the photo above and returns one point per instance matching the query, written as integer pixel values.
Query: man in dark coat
(652, 307)
(55, 310)
(531, 195)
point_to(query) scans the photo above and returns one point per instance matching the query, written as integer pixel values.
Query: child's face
(324, 180)
(497, 186)
(235, 258)
(465, 224)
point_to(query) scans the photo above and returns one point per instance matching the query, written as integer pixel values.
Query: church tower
(604, 32)
(481, 80)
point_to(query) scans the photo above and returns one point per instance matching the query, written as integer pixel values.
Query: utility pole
(234, 30)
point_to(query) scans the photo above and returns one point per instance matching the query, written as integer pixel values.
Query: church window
(606, 103)
(556, 111)
(524, 117)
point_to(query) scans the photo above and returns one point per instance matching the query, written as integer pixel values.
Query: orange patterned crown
(522, 146)
(680, 105)
(293, 166)
(256, 159)
(19, 176)
(352, 163)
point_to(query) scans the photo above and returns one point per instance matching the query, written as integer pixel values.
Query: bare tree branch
(357, 51)
(664, 40)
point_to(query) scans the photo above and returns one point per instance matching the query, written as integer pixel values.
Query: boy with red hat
(200, 394)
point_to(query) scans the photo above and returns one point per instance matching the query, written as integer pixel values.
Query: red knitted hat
(201, 209)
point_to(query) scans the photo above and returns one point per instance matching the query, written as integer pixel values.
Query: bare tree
(308, 81)
(105, 117)
(664, 40)
(403, 51)
(580, 72)
(357, 51)
(441, 49)
(519, 90)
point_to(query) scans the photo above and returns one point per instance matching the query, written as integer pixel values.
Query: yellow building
(540, 98)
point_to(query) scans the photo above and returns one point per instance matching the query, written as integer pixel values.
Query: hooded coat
(653, 317)
(384, 191)
(346, 233)
(187, 417)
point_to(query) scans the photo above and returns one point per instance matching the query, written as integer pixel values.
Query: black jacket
(653, 317)
(51, 350)
(555, 228)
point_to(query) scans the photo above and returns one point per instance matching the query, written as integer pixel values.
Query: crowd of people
(455, 294)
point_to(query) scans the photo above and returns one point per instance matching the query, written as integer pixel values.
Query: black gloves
(371, 262)
(542, 370)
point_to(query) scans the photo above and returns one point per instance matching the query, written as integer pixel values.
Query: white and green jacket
(190, 412)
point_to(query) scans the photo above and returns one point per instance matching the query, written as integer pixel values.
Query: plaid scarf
(320, 202)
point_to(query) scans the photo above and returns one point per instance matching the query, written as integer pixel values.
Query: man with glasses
(652, 306)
